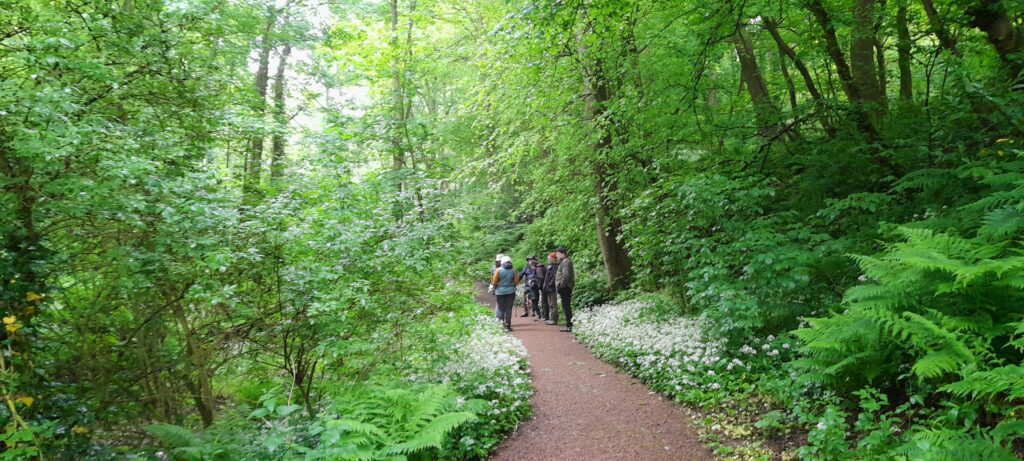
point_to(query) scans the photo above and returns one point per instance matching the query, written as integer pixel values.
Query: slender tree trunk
(202, 387)
(903, 51)
(398, 94)
(991, 17)
(846, 78)
(764, 108)
(790, 86)
(938, 27)
(883, 78)
(634, 55)
(835, 52)
(596, 95)
(788, 51)
(805, 74)
(254, 162)
(280, 117)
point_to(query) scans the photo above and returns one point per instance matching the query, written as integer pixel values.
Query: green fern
(172, 436)
(184, 445)
(1007, 382)
(1002, 223)
(952, 445)
(942, 301)
(392, 424)
(431, 435)
(944, 352)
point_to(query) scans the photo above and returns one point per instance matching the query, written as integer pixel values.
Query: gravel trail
(584, 409)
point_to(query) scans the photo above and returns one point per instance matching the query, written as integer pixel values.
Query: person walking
(531, 277)
(504, 281)
(549, 293)
(565, 281)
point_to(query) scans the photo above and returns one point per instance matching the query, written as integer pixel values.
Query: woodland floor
(584, 409)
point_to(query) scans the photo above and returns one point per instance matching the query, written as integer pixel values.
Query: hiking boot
(548, 322)
(508, 327)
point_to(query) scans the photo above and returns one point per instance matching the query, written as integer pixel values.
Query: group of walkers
(543, 286)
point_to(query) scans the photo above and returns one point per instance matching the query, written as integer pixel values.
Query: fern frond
(925, 179)
(945, 352)
(1008, 380)
(432, 435)
(354, 426)
(949, 445)
(1001, 224)
(172, 436)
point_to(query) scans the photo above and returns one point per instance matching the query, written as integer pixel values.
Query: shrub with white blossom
(673, 356)
(489, 366)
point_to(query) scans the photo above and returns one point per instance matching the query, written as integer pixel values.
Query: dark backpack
(532, 278)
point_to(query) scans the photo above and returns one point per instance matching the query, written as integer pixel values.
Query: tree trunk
(846, 79)
(805, 74)
(254, 162)
(990, 16)
(202, 387)
(634, 54)
(790, 86)
(280, 118)
(397, 150)
(862, 58)
(764, 108)
(938, 27)
(834, 50)
(903, 51)
(596, 95)
(883, 78)
(609, 236)
(785, 49)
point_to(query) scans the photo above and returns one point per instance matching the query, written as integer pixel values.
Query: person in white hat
(490, 287)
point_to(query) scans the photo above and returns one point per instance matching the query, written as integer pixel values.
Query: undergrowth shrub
(938, 311)
(461, 410)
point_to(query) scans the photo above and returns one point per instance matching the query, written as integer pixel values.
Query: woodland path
(584, 409)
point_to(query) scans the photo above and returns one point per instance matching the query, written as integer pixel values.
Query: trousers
(566, 295)
(504, 312)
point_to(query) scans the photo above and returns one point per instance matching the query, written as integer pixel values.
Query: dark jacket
(538, 275)
(549, 278)
(565, 277)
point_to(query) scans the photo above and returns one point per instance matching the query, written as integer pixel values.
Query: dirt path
(584, 409)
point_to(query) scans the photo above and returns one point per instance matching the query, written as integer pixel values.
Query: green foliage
(827, 439)
(151, 270)
(186, 446)
(380, 423)
(948, 445)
